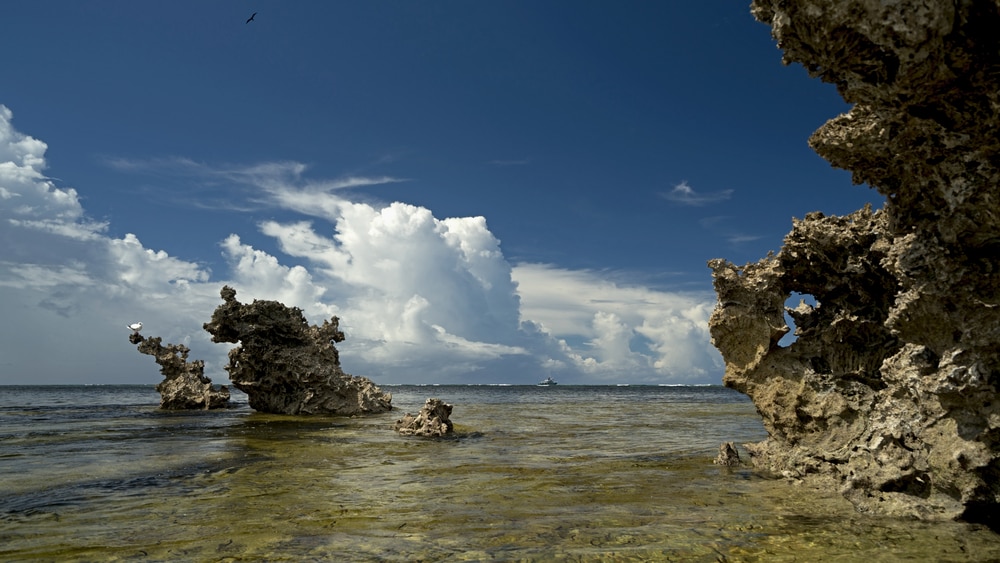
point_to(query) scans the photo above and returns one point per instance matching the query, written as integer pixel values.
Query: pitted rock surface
(890, 389)
(185, 385)
(433, 420)
(286, 366)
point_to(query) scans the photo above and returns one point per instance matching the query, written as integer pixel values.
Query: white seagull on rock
(135, 327)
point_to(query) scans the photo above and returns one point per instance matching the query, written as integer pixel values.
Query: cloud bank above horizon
(421, 299)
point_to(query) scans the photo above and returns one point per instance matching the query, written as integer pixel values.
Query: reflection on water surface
(537, 474)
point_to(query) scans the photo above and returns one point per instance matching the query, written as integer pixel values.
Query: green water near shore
(574, 475)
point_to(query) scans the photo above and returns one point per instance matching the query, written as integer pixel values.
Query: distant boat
(547, 382)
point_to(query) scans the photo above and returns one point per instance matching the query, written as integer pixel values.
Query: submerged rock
(185, 385)
(890, 389)
(286, 366)
(433, 420)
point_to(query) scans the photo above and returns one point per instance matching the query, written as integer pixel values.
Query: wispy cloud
(361, 181)
(223, 187)
(168, 165)
(722, 225)
(266, 174)
(686, 195)
(739, 238)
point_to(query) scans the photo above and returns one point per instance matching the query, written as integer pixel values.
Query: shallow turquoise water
(535, 474)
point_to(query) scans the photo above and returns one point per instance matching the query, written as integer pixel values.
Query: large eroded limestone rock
(286, 366)
(891, 386)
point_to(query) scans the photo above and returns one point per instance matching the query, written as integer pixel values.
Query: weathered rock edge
(286, 366)
(184, 385)
(890, 389)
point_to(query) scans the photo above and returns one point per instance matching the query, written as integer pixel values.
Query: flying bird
(250, 19)
(135, 327)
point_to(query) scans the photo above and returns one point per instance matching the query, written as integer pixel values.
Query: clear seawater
(565, 473)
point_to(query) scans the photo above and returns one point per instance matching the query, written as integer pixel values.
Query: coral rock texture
(286, 366)
(891, 386)
(433, 420)
(185, 385)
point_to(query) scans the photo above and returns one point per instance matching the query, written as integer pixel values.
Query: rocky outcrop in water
(185, 385)
(433, 420)
(286, 366)
(728, 455)
(890, 388)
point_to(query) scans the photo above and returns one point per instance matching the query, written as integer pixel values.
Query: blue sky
(482, 191)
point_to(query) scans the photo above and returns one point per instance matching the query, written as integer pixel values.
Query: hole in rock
(792, 302)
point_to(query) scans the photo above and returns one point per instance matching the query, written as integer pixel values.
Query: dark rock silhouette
(287, 366)
(433, 420)
(890, 390)
(185, 385)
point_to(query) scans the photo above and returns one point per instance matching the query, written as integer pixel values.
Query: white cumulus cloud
(422, 299)
(627, 333)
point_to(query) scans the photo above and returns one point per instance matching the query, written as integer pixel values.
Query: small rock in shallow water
(728, 455)
(433, 420)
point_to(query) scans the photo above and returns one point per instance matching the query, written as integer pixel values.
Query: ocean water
(565, 473)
